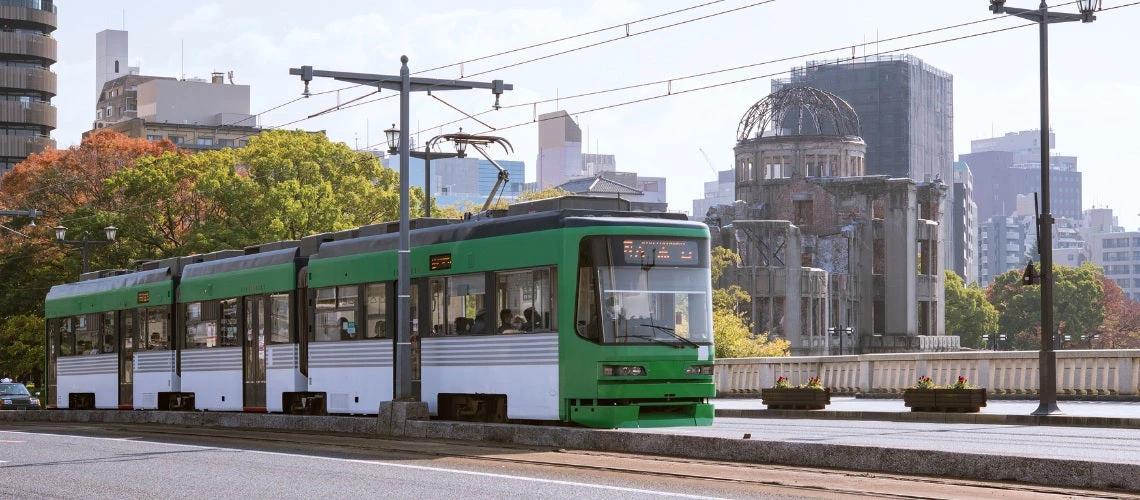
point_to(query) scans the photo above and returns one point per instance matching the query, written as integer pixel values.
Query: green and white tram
(594, 317)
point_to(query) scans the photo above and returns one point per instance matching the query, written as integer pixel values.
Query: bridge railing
(1085, 372)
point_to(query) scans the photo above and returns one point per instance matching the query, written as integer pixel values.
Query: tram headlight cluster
(699, 370)
(622, 371)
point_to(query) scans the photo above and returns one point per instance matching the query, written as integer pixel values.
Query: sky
(654, 130)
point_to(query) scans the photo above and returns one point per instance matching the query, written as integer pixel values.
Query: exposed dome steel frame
(799, 111)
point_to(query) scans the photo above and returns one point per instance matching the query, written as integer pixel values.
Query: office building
(194, 114)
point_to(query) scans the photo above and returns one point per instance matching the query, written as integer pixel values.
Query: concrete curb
(1044, 471)
(939, 418)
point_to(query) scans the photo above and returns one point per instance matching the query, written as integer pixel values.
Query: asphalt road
(115, 461)
(1068, 443)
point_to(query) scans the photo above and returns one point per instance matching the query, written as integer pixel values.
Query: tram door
(128, 343)
(253, 354)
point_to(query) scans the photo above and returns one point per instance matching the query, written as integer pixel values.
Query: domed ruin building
(836, 261)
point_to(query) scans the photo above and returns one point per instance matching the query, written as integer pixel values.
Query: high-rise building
(1007, 166)
(27, 51)
(559, 150)
(193, 113)
(964, 229)
(722, 191)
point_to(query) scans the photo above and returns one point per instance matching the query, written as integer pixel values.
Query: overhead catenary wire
(567, 51)
(716, 85)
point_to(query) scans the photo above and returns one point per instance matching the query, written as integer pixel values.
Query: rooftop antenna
(124, 19)
(183, 62)
(230, 74)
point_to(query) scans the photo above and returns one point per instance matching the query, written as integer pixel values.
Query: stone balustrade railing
(1099, 372)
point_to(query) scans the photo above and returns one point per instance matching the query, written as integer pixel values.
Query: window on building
(177, 139)
(153, 137)
(205, 141)
(226, 143)
(110, 111)
(804, 213)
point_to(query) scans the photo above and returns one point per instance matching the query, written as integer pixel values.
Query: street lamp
(1048, 357)
(427, 155)
(86, 242)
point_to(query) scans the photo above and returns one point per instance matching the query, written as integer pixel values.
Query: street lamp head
(997, 6)
(1087, 8)
(393, 136)
(109, 232)
(60, 233)
(461, 145)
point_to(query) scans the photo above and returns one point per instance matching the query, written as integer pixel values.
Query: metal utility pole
(402, 390)
(1047, 357)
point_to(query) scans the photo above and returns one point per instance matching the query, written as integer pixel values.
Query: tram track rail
(805, 480)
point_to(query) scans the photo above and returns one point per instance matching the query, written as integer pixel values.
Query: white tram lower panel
(214, 375)
(524, 367)
(355, 376)
(94, 373)
(282, 374)
(153, 373)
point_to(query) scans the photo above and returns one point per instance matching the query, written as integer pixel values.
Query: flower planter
(795, 398)
(947, 400)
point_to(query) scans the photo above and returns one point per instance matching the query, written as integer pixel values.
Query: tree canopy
(1077, 309)
(968, 314)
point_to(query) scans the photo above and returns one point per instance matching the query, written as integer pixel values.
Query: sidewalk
(1119, 414)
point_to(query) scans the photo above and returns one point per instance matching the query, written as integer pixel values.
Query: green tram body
(650, 378)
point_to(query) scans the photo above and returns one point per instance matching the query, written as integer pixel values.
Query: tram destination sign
(439, 262)
(660, 251)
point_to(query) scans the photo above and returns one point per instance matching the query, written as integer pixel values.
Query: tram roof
(252, 261)
(109, 283)
(503, 226)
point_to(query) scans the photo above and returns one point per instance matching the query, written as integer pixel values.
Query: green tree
(968, 314)
(550, 192)
(721, 258)
(734, 338)
(22, 348)
(283, 186)
(1077, 307)
(732, 332)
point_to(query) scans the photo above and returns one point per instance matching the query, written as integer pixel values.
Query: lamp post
(1048, 357)
(405, 84)
(427, 155)
(85, 243)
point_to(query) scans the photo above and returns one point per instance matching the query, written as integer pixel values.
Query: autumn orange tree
(1121, 328)
(69, 187)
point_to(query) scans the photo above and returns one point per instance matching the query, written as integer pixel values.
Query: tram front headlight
(622, 371)
(699, 370)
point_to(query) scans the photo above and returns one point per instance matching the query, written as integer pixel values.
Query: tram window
(437, 313)
(156, 329)
(377, 325)
(465, 312)
(66, 337)
(87, 334)
(525, 300)
(279, 319)
(202, 324)
(107, 339)
(228, 326)
(336, 314)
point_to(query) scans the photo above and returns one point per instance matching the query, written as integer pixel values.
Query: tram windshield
(644, 290)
